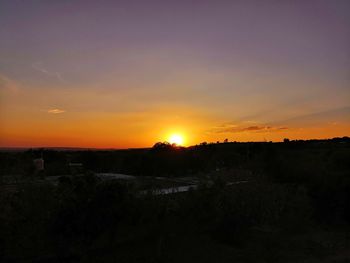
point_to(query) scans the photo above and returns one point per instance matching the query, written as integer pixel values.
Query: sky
(125, 74)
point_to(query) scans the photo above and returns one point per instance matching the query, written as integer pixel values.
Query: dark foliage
(294, 188)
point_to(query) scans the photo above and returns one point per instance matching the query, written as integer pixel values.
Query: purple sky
(222, 61)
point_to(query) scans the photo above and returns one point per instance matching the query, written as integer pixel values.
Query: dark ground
(295, 206)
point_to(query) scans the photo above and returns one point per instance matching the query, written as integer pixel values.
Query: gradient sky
(130, 73)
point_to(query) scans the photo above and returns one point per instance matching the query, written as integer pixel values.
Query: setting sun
(176, 139)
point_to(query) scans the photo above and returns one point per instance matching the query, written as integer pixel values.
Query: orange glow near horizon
(77, 117)
(26, 121)
(85, 136)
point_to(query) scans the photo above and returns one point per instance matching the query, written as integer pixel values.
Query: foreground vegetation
(295, 207)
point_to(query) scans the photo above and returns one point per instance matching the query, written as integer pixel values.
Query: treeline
(168, 160)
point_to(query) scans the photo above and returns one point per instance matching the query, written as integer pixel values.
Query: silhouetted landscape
(174, 131)
(275, 202)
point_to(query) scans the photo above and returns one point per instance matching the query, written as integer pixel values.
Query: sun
(176, 139)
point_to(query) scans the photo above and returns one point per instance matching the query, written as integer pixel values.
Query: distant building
(38, 164)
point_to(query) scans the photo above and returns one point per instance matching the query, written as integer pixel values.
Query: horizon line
(2, 148)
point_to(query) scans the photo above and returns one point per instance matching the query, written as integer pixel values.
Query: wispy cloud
(55, 111)
(8, 84)
(40, 67)
(340, 114)
(232, 128)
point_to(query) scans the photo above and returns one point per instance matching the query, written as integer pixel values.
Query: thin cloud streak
(8, 84)
(331, 115)
(39, 67)
(55, 111)
(255, 128)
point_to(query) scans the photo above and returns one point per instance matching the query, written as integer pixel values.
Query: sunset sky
(120, 74)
